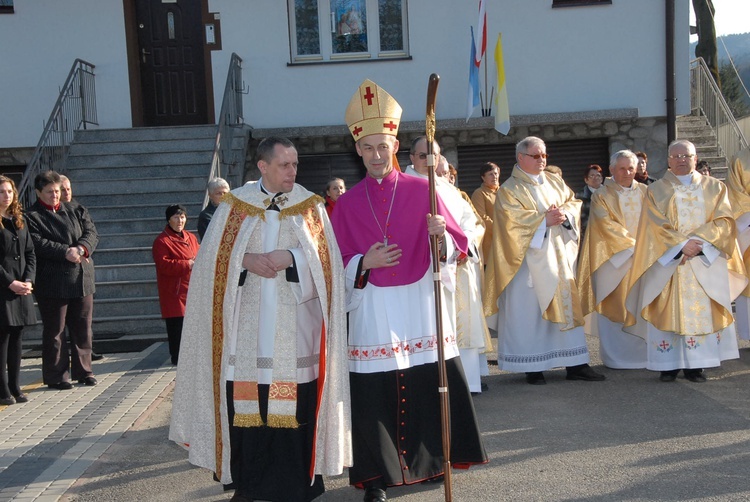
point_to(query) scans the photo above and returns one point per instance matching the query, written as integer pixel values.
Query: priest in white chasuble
(606, 259)
(738, 183)
(686, 271)
(262, 390)
(531, 295)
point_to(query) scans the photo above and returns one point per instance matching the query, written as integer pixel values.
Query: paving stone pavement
(49, 442)
(629, 438)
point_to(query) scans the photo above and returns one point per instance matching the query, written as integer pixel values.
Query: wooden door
(171, 58)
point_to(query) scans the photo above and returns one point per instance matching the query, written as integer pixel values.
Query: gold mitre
(372, 111)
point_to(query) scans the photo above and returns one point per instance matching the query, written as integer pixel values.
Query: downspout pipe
(671, 92)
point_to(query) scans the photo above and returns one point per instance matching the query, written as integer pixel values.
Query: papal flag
(502, 114)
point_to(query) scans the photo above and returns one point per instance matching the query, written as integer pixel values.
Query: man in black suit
(66, 195)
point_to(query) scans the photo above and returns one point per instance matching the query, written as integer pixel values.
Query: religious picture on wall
(350, 26)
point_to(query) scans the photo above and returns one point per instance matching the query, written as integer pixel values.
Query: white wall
(556, 60)
(38, 44)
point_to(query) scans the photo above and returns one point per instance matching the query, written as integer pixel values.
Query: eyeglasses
(537, 156)
(596, 175)
(682, 156)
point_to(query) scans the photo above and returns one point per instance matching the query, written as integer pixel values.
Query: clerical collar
(54, 209)
(685, 179)
(263, 188)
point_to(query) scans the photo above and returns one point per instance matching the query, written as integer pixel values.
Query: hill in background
(738, 46)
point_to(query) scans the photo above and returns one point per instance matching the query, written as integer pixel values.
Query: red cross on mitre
(691, 341)
(664, 345)
(390, 125)
(368, 95)
(356, 130)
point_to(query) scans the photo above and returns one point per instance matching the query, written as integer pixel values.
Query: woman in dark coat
(174, 253)
(17, 273)
(64, 239)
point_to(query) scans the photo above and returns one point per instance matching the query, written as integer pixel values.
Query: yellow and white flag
(502, 114)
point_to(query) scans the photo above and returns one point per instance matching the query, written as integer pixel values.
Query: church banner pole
(435, 246)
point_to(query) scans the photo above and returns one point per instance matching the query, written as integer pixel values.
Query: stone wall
(623, 127)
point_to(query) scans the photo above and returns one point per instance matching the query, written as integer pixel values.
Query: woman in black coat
(17, 273)
(64, 239)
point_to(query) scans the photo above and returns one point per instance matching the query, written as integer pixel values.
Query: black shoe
(96, 357)
(88, 381)
(668, 376)
(239, 498)
(584, 372)
(60, 385)
(535, 378)
(7, 401)
(484, 387)
(21, 398)
(695, 375)
(375, 495)
(436, 479)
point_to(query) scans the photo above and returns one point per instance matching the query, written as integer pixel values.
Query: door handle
(144, 53)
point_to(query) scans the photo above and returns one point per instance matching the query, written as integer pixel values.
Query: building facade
(589, 77)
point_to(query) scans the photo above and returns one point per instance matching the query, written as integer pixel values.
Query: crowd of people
(324, 333)
(304, 327)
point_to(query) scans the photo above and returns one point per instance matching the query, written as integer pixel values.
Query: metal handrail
(706, 98)
(229, 118)
(75, 109)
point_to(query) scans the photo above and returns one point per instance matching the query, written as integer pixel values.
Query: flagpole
(435, 246)
(485, 113)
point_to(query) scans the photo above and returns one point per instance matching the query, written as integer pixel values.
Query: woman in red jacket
(174, 253)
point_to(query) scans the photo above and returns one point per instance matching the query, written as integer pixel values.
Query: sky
(732, 16)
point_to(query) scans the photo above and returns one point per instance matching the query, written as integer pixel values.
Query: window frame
(326, 36)
(7, 9)
(578, 3)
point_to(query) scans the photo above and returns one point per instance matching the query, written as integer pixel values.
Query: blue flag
(473, 98)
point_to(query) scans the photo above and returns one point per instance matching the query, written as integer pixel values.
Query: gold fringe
(259, 212)
(244, 207)
(247, 420)
(282, 422)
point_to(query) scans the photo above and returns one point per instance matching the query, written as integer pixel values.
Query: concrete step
(127, 325)
(125, 272)
(164, 198)
(125, 240)
(123, 255)
(696, 130)
(126, 289)
(141, 211)
(118, 307)
(178, 184)
(142, 159)
(144, 133)
(78, 150)
(138, 225)
(77, 174)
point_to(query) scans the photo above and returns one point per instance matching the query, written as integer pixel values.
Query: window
(336, 30)
(6, 6)
(576, 3)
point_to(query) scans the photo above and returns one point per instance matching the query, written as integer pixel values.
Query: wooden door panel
(173, 78)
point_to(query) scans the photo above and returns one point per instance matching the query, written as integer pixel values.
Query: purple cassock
(394, 209)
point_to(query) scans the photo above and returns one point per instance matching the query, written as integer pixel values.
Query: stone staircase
(697, 130)
(126, 178)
